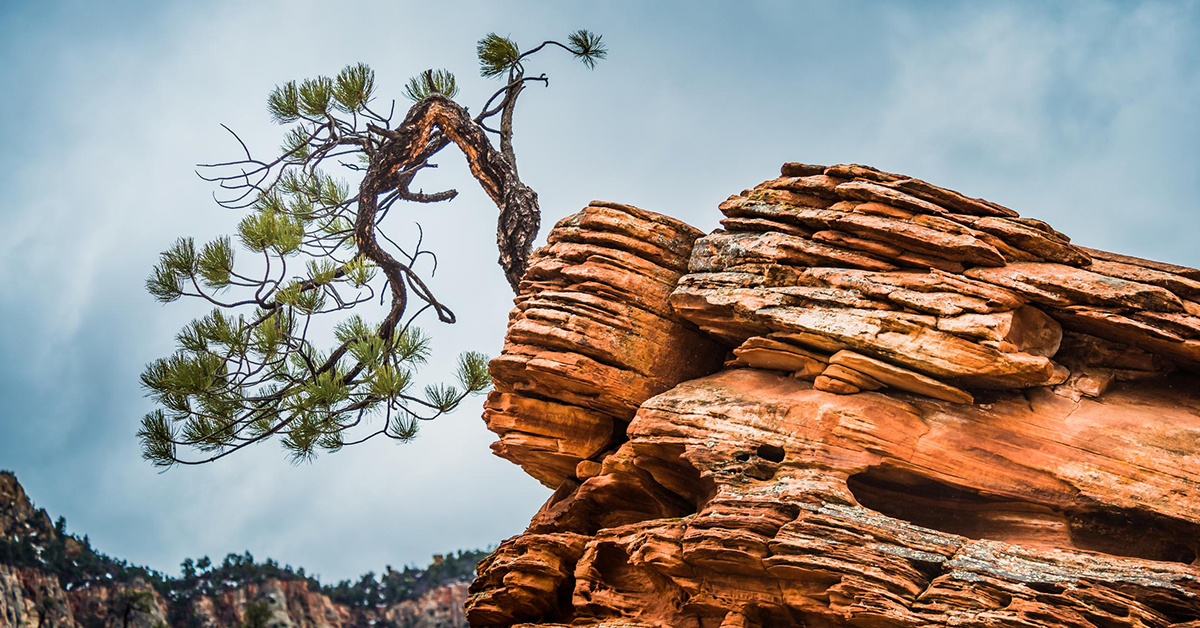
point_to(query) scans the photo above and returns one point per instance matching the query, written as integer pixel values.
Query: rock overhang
(866, 400)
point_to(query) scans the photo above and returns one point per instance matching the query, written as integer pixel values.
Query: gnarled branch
(520, 216)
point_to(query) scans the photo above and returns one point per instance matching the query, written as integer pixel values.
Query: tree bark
(520, 216)
(506, 121)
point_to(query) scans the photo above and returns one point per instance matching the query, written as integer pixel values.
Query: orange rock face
(869, 401)
(592, 337)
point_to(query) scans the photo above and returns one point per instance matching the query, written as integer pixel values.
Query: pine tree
(134, 602)
(250, 370)
(188, 569)
(258, 614)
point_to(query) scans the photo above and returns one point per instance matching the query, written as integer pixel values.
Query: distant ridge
(50, 578)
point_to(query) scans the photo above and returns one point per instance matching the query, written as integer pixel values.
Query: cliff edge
(865, 401)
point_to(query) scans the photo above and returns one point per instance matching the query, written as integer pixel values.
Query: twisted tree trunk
(412, 142)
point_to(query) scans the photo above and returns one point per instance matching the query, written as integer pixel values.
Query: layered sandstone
(870, 401)
(592, 337)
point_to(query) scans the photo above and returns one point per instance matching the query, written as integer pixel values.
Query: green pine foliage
(500, 56)
(71, 558)
(587, 47)
(249, 370)
(308, 255)
(257, 615)
(395, 586)
(496, 55)
(431, 82)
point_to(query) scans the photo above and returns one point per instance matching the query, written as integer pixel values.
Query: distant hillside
(50, 578)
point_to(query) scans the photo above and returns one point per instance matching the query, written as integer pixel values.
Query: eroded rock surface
(592, 337)
(869, 401)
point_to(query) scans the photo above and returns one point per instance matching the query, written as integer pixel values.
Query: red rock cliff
(866, 401)
(35, 591)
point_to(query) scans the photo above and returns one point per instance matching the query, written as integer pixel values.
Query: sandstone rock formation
(294, 605)
(869, 401)
(29, 599)
(33, 596)
(592, 337)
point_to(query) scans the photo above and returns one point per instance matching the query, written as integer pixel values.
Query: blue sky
(1080, 113)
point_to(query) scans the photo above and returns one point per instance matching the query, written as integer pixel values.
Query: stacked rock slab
(893, 281)
(592, 337)
(918, 409)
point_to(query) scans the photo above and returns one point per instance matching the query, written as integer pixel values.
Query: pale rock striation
(869, 401)
(29, 599)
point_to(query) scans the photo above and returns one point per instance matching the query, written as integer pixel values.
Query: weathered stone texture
(903, 407)
(592, 337)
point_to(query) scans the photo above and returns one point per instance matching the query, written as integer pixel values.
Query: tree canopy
(312, 249)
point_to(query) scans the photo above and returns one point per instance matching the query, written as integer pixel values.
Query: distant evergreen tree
(188, 569)
(54, 550)
(251, 369)
(257, 615)
(131, 602)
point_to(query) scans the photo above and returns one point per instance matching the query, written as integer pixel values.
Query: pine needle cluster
(254, 368)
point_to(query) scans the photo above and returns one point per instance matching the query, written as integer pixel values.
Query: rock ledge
(865, 401)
